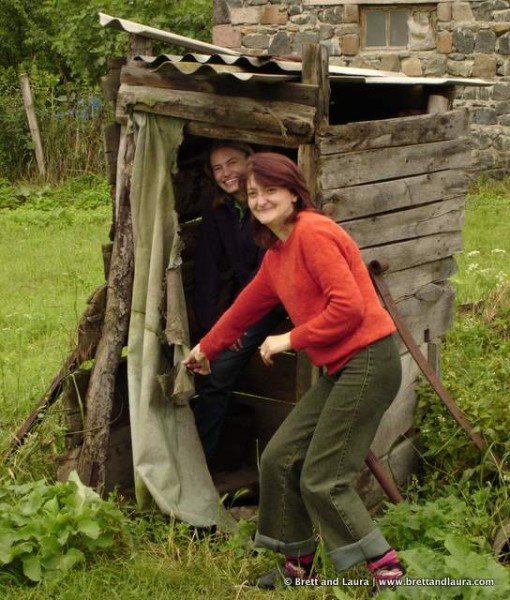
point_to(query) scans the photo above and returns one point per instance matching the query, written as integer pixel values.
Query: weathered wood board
(348, 203)
(399, 463)
(429, 319)
(392, 133)
(410, 253)
(273, 116)
(354, 168)
(414, 281)
(438, 217)
(169, 78)
(399, 418)
(244, 135)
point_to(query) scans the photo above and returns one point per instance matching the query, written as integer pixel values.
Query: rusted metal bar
(378, 471)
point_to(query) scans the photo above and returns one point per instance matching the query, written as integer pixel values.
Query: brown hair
(274, 169)
(219, 195)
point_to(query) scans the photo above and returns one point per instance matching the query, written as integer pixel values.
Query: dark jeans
(212, 405)
(309, 467)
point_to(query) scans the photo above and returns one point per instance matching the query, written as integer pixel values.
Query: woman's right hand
(197, 362)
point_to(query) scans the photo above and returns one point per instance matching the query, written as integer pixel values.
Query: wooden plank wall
(398, 187)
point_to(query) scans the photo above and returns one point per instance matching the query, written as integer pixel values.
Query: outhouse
(384, 155)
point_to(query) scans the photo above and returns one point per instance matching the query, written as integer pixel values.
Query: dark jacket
(225, 235)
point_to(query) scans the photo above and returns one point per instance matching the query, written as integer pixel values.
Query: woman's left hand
(197, 362)
(274, 344)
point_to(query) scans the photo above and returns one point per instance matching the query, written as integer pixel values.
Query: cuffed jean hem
(372, 545)
(288, 548)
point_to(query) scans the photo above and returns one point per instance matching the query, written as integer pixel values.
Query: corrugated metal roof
(266, 64)
(269, 69)
(243, 68)
(160, 35)
(229, 63)
(221, 71)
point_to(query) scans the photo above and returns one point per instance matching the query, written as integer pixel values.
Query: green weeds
(444, 539)
(461, 498)
(71, 120)
(46, 530)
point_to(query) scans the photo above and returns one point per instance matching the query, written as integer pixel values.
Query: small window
(386, 28)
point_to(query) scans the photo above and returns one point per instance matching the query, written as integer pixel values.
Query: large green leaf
(71, 558)
(6, 542)
(90, 528)
(32, 568)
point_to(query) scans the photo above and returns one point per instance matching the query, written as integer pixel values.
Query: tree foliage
(64, 50)
(65, 37)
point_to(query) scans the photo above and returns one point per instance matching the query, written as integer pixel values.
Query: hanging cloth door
(169, 465)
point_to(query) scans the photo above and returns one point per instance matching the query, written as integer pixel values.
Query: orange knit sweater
(318, 275)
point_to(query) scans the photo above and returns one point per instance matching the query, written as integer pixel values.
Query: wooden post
(139, 46)
(315, 71)
(32, 122)
(101, 389)
(440, 101)
(434, 355)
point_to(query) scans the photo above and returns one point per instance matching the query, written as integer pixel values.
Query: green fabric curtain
(169, 464)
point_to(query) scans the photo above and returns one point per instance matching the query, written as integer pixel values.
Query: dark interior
(352, 102)
(263, 398)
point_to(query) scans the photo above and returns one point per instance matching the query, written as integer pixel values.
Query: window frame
(387, 9)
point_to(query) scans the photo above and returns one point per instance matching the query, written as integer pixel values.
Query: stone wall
(456, 39)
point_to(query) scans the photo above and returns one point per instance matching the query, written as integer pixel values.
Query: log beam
(101, 389)
(284, 118)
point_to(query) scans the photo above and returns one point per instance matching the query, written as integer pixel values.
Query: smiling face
(226, 166)
(272, 206)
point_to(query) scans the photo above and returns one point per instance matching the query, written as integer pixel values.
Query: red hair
(273, 169)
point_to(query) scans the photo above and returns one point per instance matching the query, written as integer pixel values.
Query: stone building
(432, 39)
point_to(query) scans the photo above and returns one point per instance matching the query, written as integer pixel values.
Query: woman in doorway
(309, 467)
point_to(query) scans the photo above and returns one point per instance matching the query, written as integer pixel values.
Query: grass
(484, 265)
(50, 252)
(50, 242)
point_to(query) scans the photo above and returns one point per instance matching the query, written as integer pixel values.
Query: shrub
(70, 119)
(15, 143)
(46, 530)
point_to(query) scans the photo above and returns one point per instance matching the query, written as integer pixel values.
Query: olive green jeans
(310, 465)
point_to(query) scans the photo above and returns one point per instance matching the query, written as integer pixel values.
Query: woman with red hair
(309, 467)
